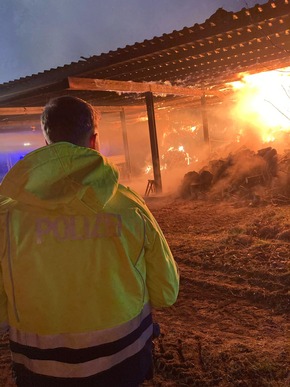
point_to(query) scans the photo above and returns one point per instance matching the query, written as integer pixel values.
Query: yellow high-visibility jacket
(82, 262)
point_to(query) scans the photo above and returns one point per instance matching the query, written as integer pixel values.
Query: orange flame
(263, 101)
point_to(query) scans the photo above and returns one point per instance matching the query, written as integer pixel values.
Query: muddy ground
(231, 323)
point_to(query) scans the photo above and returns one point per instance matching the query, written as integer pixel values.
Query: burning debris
(246, 174)
(195, 183)
(246, 136)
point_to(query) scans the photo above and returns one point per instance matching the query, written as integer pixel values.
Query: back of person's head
(68, 119)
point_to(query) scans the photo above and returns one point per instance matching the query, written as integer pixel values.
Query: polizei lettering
(62, 228)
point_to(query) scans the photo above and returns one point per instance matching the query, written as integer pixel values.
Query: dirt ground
(231, 323)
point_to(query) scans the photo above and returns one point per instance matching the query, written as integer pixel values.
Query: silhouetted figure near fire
(83, 261)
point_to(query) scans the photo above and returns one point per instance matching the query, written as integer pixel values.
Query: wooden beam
(18, 111)
(19, 126)
(15, 111)
(37, 110)
(91, 84)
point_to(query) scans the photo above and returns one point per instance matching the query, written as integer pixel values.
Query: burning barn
(193, 100)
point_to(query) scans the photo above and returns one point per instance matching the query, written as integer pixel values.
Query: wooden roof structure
(203, 58)
(181, 67)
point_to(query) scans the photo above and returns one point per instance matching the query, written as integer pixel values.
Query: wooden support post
(153, 141)
(204, 119)
(125, 142)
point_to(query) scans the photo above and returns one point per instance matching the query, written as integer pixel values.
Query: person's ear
(94, 142)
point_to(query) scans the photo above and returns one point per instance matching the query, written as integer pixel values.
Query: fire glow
(258, 116)
(263, 101)
(175, 155)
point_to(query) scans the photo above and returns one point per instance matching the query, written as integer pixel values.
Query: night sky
(37, 35)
